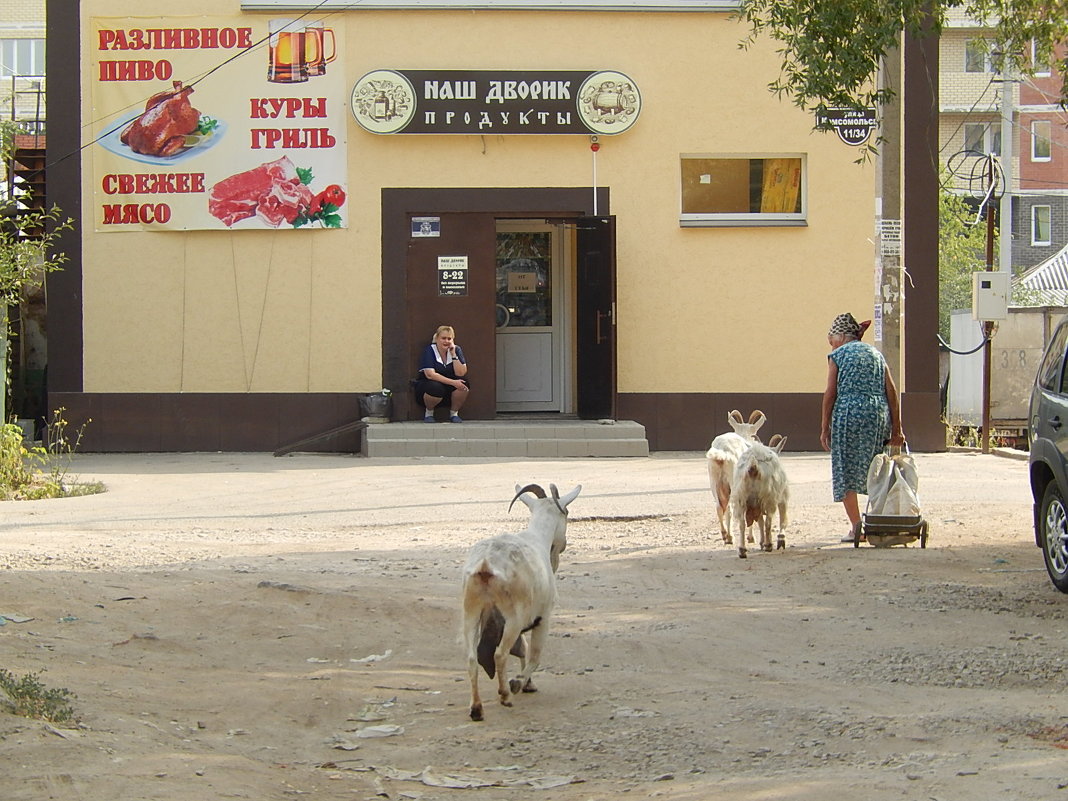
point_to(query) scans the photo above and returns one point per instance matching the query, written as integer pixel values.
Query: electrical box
(990, 295)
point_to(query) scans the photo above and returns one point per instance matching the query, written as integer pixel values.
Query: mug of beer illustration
(316, 57)
(286, 52)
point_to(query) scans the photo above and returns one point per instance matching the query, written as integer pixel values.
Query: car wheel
(1055, 536)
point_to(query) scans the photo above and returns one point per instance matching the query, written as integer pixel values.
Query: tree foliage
(831, 49)
(961, 251)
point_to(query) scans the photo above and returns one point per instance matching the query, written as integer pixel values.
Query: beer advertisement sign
(221, 123)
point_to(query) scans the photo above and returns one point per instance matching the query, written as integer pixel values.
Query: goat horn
(734, 414)
(533, 489)
(556, 499)
(775, 440)
(756, 415)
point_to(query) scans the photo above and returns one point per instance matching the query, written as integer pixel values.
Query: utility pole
(888, 304)
(988, 327)
(1008, 105)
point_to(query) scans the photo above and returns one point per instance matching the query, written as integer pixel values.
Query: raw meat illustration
(273, 191)
(161, 130)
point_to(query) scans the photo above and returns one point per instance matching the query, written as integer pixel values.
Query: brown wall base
(689, 421)
(168, 423)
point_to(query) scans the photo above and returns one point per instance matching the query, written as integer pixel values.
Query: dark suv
(1048, 419)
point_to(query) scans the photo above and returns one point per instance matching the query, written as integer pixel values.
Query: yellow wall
(700, 310)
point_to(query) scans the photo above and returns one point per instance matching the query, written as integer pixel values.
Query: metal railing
(22, 100)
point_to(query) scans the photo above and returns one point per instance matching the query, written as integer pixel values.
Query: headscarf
(846, 324)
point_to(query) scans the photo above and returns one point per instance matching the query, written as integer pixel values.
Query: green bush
(28, 698)
(41, 471)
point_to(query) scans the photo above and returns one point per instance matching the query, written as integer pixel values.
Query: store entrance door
(533, 335)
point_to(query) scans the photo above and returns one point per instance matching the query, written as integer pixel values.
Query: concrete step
(518, 437)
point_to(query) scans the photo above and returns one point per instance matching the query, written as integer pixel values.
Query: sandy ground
(239, 626)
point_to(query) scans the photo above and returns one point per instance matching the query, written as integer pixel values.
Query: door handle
(599, 338)
(1055, 422)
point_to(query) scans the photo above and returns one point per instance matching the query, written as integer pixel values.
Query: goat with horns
(509, 589)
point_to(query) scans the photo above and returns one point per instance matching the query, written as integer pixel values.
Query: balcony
(22, 100)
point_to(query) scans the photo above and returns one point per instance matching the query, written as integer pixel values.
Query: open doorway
(581, 269)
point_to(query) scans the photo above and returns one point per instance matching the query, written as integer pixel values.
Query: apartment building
(971, 108)
(22, 63)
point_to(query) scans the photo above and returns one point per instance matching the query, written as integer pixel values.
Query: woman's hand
(897, 439)
(460, 385)
(825, 440)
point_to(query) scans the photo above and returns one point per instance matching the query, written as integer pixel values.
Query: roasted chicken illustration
(162, 128)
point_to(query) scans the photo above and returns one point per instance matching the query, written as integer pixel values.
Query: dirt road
(239, 626)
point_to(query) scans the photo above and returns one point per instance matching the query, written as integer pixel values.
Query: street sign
(853, 126)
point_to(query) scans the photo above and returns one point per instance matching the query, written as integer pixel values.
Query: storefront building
(279, 202)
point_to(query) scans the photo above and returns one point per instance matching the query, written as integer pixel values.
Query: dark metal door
(596, 323)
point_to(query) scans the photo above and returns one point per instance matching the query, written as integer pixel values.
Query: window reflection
(524, 286)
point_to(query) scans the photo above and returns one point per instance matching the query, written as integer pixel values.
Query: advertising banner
(226, 123)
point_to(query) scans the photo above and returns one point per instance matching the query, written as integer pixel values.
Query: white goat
(722, 457)
(760, 487)
(509, 588)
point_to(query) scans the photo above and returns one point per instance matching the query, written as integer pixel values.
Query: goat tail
(490, 631)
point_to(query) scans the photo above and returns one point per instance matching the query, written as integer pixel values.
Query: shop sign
(495, 102)
(452, 275)
(853, 125)
(224, 123)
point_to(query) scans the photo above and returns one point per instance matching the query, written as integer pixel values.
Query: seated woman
(441, 376)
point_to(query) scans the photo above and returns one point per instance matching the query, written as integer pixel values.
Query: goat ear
(566, 500)
(777, 442)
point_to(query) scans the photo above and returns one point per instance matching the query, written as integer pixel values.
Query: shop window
(742, 190)
(1041, 143)
(982, 138)
(22, 57)
(1040, 226)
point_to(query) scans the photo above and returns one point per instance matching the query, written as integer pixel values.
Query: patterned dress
(860, 420)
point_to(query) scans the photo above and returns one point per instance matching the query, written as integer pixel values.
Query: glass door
(529, 307)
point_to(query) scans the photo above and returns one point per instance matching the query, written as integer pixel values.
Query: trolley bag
(893, 485)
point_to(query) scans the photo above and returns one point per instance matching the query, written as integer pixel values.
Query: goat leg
(513, 633)
(723, 500)
(740, 526)
(522, 682)
(476, 701)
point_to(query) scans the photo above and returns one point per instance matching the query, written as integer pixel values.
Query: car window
(1049, 373)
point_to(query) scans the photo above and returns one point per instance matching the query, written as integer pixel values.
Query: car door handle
(1055, 422)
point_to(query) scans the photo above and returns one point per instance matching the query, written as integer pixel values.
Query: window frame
(1035, 240)
(746, 219)
(35, 52)
(1036, 137)
(1040, 70)
(977, 48)
(991, 134)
